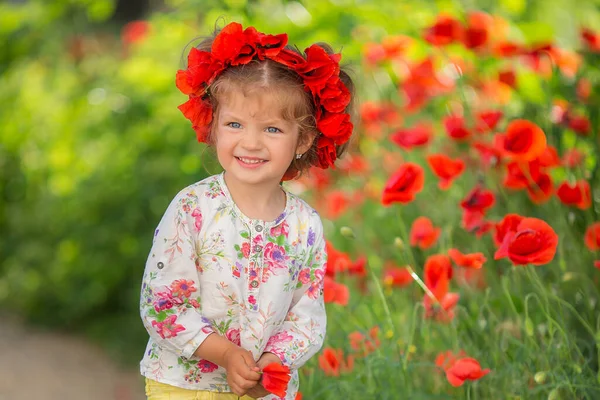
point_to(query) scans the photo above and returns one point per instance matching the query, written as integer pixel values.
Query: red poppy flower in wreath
(404, 184)
(533, 242)
(423, 233)
(578, 194)
(524, 140)
(473, 260)
(445, 168)
(592, 236)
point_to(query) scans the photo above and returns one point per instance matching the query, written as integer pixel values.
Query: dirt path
(53, 366)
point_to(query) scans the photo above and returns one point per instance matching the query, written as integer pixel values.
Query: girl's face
(254, 144)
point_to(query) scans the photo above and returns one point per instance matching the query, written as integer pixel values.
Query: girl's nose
(252, 139)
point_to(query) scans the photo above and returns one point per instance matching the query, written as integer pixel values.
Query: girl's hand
(264, 360)
(242, 372)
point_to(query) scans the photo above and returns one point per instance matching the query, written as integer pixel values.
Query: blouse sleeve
(170, 305)
(303, 331)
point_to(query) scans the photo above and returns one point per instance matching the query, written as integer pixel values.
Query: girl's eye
(235, 125)
(272, 129)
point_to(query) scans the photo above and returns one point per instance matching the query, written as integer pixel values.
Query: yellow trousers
(161, 391)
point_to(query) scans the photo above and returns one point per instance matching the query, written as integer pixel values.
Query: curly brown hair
(268, 76)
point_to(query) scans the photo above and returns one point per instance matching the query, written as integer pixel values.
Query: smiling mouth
(251, 160)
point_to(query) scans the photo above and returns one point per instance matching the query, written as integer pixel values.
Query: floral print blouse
(211, 269)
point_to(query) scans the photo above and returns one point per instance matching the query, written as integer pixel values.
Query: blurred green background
(92, 146)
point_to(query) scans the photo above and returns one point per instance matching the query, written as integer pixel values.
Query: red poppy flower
(335, 96)
(542, 189)
(573, 158)
(333, 362)
(473, 260)
(199, 112)
(364, 344)
(455, 127)
(423, 233)
(475, 222)
(487, 120)
(275, 378)
(490, 154)
(549, 158)
(580, 124)
(533, 242)
(592, 236)
(337, 203)
(465, 369)
(404, 185)
(476, 34)
(416, 136)
(135, 32)
(442, 311)
(508, 77)
(524, 140)
(478, 199)
(584, 89)
(578, 195)
(326, 151)
(396, 276)
(234, 45)
(445, 31)
(445, 168)
(318, 68)
(447, 358)
(507, 49)
(521, 175)
(337, 261)
(591, 39)
(438, 272)
(334, 292)
(421, 85)
(335, 126)
(597, 264)
(509, 223)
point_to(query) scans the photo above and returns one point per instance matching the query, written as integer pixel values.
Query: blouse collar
(267, 224)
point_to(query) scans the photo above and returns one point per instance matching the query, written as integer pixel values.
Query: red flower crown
(234, 46)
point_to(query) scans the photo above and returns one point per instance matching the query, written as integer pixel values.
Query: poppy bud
(540, 377)
(347, 232)
(398, 243)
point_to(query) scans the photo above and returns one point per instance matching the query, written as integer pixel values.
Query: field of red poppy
(463, 227)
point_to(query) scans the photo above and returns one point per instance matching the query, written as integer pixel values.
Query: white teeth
(247, 161)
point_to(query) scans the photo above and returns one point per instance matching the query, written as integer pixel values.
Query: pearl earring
(298, 156)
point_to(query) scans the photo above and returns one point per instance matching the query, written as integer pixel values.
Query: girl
(234, 279)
